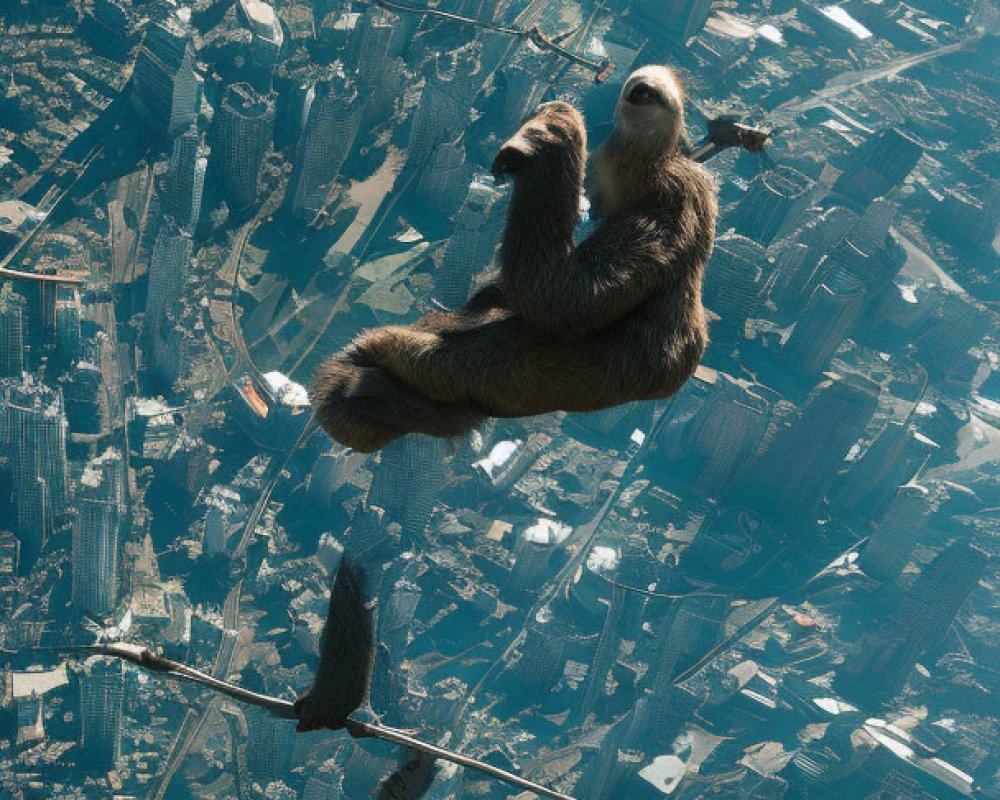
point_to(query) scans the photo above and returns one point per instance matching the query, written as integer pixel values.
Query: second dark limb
(413, 778)
(347, 653)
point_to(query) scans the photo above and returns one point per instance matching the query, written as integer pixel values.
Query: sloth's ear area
(517, 152)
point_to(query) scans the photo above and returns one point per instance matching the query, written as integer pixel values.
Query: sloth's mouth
(642, 94)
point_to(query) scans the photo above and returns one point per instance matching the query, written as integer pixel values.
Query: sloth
(576, 328)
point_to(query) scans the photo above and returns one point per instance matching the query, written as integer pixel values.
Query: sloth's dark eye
(643, 94)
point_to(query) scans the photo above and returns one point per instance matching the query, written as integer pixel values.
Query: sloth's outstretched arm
(620, 265)
(628, 259)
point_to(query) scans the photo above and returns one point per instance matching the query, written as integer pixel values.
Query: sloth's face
(651, 105)
(555, 132)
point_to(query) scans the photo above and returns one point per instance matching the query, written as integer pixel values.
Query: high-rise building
(922, 619)
(868, 235)
(967, 220)
(473, 244)
(833, 419)
(727, 432)
(100, 501)
(825, 322)
(168, 271)
(735, 281)
(185, 179)
(241, 133)
(521, 85)
(635, 575)
(878, 166)
(438, 115)
(678, 19)
(819, 236)
(326, 788)
(690, 629)
(166, 90)
(533, 550)
(13, 311)
(42, 314)
(85, 398)
(441, 185)
(370, 47)
(269, 746)
(265, 29)
(68, 332)
(893, 459)
(333, 115)
(774, 201)
(102, 690)
(542, 655)
(397, 607)
(33, 433)
(959, 324)
(891, 546)
(407, 480)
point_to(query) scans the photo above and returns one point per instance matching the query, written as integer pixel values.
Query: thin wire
(536, 37)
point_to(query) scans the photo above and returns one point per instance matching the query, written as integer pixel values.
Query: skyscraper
(635, 574)
(472, 245)
(168, 271)
(438, 116)
(891, 546)
(12, 329)
(102, 689)
(533, 550)
(85, 398)
(819, 236)
(370, 46)
(333, 116)
(442, 184)
(265, 28)
(825, 322)
(33, 433)
(241, 133)
(893, 459)
(727, 432)
(542, 654)
(678, 19)
(185, 179)
(100, 501)
(166, 90)
(325, 788)
(735, 280)
(959, 324)
(690, 629)
(269, 746)
(922, 619)
(794, 474)
(878, 166)
(407, 480)
(775, 199)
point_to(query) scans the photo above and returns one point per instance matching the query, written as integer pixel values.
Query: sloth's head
(554, 134)
(651, 107)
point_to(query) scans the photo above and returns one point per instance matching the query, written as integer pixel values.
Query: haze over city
(779, 584)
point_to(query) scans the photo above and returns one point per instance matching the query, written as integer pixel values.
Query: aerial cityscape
(780, 583)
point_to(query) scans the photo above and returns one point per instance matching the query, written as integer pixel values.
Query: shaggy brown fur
(616, 319)
(347, 653)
